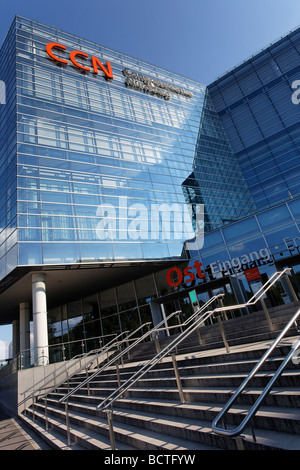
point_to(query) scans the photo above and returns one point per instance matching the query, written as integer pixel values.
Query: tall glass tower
(97, 147)
(106, 163)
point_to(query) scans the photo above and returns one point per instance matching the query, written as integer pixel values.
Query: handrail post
(221, 326)
(111, 430)
(199, 336)
(46, 414)
(178, 380)
(88, 384)
(267, 315)
(222, 306)
(68, 422)
(128, 352)
(179, 322)
(287, 278)
(156, 341)
(33, 415)
(118, 374)
(119, 352)
(239, 443)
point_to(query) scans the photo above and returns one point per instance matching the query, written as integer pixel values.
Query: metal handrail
(239, 429)
(149, 333)
(119, 356)
(96, 352)
(116, 343)
(108, 401)
(20, 355)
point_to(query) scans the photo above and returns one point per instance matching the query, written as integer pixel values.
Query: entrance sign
(252, 274)
(186, 272)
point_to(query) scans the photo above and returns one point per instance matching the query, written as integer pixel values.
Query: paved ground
(13, 435)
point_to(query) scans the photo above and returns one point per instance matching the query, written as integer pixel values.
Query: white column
(24, 309)
(40, 326)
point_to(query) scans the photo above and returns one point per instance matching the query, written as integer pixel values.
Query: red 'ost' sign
(95, 63)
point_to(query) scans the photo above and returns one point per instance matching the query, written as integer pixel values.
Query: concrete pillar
(40, 324)
(15, 337)
(24, 309)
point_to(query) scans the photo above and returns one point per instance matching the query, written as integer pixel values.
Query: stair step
(151, 417)
(279, 396)
(280, 419)
(131, 435)
(177, 429)
(53, 438)
(81, 437)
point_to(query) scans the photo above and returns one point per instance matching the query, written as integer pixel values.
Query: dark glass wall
(254, 102)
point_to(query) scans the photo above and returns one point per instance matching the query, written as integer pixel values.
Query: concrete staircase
(151, 416)
(243, 329)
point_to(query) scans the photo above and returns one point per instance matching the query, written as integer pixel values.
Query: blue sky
(200, 39)
(197, 38)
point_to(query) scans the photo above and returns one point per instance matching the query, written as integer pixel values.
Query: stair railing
(152, 333)
(66, 366)
(119, 357)
(108, 401)
(116, 359)
(199, 319)
(237, 431)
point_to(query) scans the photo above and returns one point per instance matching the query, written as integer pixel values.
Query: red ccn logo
(95, 63)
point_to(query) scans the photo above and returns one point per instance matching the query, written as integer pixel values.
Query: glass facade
(222, 186)
(101, 169)
(95, 156)
(8, 158)
(269, 236)
(261, 240)
(78, 326)
(254, 102)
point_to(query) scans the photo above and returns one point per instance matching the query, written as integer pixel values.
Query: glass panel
(281, 239)
(90, 308)
(56, 253)
(295, 208)
(243, 229)
(145, 289)
(212, 241)
(130, 321)
(30, 253)
(248, 246)
(162, 285)
(274, 218)
(126, 297)
(145, 314)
